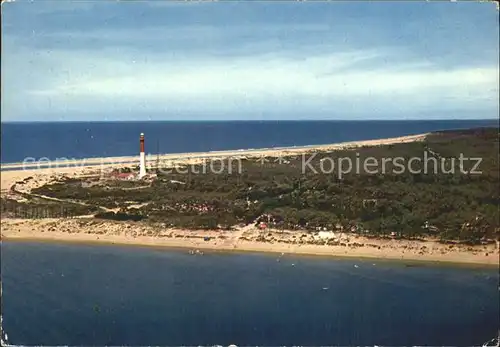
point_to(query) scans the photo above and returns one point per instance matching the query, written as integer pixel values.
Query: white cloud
(266, 77)
(118, 79)
(112, 59)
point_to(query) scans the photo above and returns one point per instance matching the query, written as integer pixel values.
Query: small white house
(326, 235)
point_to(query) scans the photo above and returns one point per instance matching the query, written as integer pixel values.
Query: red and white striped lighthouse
(142, 158)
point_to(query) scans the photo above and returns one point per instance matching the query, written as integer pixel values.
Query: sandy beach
(251, 153)
(87, 230)
(248, 238)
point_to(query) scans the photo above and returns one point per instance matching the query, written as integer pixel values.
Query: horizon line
(249, 120)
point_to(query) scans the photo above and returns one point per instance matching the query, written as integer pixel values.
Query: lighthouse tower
(142, 159)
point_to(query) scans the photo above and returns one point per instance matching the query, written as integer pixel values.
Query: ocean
(77, 140)
(62, 294)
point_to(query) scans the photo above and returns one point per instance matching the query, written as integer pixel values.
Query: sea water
(77, 140)
(61, 294)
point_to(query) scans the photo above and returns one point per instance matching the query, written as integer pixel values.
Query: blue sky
(248, 60)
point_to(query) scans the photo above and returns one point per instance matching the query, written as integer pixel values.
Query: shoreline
(97, 232)
(416, 261)
(44, 172)
(271, 151)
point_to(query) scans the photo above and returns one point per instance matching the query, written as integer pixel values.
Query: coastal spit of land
(270, 204)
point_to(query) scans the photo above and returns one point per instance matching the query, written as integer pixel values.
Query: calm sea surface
(56, 294)
(105, 139)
